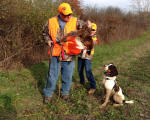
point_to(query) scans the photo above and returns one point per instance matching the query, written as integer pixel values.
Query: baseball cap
(65, 9)
(94, 26)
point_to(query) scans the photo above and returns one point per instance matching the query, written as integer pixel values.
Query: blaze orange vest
(54, 32)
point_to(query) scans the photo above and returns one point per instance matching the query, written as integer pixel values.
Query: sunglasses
(93, 30)
(66, 15)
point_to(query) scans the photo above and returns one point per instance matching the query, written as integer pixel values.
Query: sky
(123, 4)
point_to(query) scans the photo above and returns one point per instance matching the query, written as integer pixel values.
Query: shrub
(21, 30)
(21, 23)
(115, 24)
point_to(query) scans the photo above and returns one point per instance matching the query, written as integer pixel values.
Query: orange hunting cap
(65, 9)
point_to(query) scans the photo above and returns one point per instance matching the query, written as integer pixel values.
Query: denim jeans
(85, 63)
(55, 66)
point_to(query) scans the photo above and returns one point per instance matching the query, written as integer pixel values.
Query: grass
(108, 52)
(21, 92)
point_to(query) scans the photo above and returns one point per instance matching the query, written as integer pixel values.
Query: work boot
(65, 97)
(47, 100)
(91, 91)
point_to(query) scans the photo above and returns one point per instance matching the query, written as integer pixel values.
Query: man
(84, 61)
(56, 28)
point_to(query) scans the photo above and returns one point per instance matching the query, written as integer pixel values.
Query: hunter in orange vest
(55, 33)
(62, 54)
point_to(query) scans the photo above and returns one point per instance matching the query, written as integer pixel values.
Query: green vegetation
(21, 92)
(21, 24)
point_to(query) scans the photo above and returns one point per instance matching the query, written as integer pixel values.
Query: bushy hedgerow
(115, 24)
(21, 22)
(21, 25)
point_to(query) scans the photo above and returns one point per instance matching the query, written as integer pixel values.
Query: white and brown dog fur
(112, 88)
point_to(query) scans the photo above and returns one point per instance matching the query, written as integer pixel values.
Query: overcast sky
(123, 4)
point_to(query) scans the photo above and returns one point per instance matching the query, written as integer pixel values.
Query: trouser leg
(81, 64)
(89, 74)
(52, 77)
(66, 76)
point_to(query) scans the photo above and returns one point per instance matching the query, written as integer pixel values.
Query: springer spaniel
(112, 88)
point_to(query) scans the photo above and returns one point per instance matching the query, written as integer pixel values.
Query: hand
(50, 43)
(89, 24)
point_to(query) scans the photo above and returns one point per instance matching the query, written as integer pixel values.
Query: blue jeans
(55, 66)
(85, 63)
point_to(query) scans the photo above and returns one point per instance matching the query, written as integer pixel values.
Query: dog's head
(111, 70)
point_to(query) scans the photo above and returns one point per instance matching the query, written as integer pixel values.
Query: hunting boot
(91, 91)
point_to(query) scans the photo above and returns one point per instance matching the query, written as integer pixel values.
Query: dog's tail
(128, 101)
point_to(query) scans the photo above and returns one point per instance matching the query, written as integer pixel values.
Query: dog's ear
(113, 70)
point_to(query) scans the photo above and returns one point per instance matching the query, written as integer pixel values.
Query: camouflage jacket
(47, 38)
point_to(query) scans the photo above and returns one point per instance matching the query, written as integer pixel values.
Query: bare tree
(140, 5)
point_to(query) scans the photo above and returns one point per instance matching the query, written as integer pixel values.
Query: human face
(93, 31)
(65, 18)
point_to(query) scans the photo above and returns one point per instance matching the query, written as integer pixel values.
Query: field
(21, 91)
